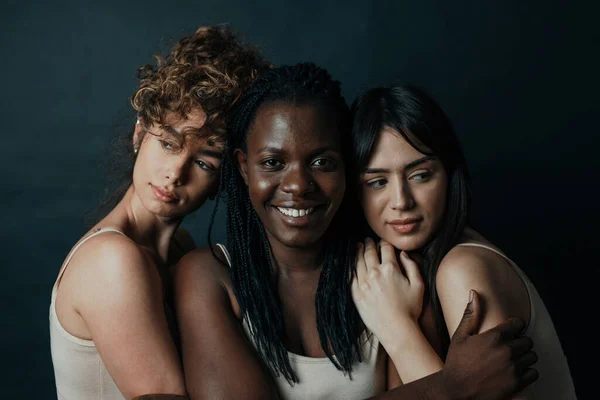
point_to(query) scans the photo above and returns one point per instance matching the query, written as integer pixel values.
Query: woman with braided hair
(271, 315)
(110, 330)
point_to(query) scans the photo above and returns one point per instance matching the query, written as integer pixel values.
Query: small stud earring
(135, 151)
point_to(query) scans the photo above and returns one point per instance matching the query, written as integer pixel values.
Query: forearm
(411, 353)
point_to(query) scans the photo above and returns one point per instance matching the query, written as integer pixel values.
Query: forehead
(281, 124)
(195, 119)
(192, 130)
(391, 147)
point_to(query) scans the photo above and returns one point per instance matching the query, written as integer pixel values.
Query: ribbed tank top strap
(524, 279)
(72, 253)
(225, 253)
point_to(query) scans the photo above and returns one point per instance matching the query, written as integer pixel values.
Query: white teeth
(294, 212)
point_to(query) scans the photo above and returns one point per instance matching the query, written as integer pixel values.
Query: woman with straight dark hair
(415, 193)
(271, 315)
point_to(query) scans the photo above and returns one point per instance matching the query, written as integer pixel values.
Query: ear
(137, 134)
(242, 162)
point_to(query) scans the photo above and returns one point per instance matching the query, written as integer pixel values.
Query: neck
(296, 261)
(146, 229)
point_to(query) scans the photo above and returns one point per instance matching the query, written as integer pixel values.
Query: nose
(402, 198)
(298, 181)
(177, 169)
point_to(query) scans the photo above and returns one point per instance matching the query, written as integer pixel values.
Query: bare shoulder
(491, 275)
(112, 263)
(203, 263)
(468, 263)
(203, 275)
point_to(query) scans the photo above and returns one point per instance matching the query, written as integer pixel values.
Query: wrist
(401, 335)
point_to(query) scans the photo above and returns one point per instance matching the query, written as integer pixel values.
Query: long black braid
(338, 322)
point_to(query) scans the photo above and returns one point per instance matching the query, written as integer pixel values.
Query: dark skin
(293, 161)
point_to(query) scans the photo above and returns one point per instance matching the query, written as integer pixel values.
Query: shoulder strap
(225, 253)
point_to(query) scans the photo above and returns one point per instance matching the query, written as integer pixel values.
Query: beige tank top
(555, 381)
(79, 371)
(318, 378)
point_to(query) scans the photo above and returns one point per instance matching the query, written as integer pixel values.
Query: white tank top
(79, 371)
(318, 378)
(555, 381)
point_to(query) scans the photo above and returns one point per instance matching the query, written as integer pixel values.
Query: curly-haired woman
(110, 328)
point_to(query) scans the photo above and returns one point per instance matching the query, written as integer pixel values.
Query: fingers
(529, 376)
(525, 361)
(411, 268)
(509, 328)
(471, 320)
(525, 379)
(520, 346)
(371, 257)
(388, 252)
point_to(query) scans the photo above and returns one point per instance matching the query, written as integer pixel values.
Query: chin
(406, 243)
(300, 239)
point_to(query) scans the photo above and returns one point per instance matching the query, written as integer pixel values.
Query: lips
(164, 195)
(405, 225)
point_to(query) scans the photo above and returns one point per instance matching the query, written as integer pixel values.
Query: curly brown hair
(209, 69)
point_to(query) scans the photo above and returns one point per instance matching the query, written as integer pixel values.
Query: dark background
(517, 78)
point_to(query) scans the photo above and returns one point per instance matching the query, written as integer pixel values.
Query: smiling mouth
(295, 212)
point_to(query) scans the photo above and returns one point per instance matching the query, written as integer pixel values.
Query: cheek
(373, 205)
(260, 188)
(434, 202)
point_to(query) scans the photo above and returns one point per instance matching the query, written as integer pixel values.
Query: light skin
(403, 195)
(293, 161)
(114, 288)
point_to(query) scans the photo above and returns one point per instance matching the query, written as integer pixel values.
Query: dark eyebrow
(171, 130)
(410, 165)
(313, 153)
(324, 149)
(210, 153)
(269, 148)
(421, 160)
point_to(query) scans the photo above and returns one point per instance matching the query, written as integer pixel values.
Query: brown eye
(272, 163)
(321, 162)
(377, 184)
(421, 176)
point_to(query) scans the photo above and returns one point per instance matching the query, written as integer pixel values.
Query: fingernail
(470, 296)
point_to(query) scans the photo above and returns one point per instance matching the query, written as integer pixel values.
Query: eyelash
(165, 145)
(328, 163)
(376, 184)
(267, 162)
(204, 165)
(424, 175)
(379, 183)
